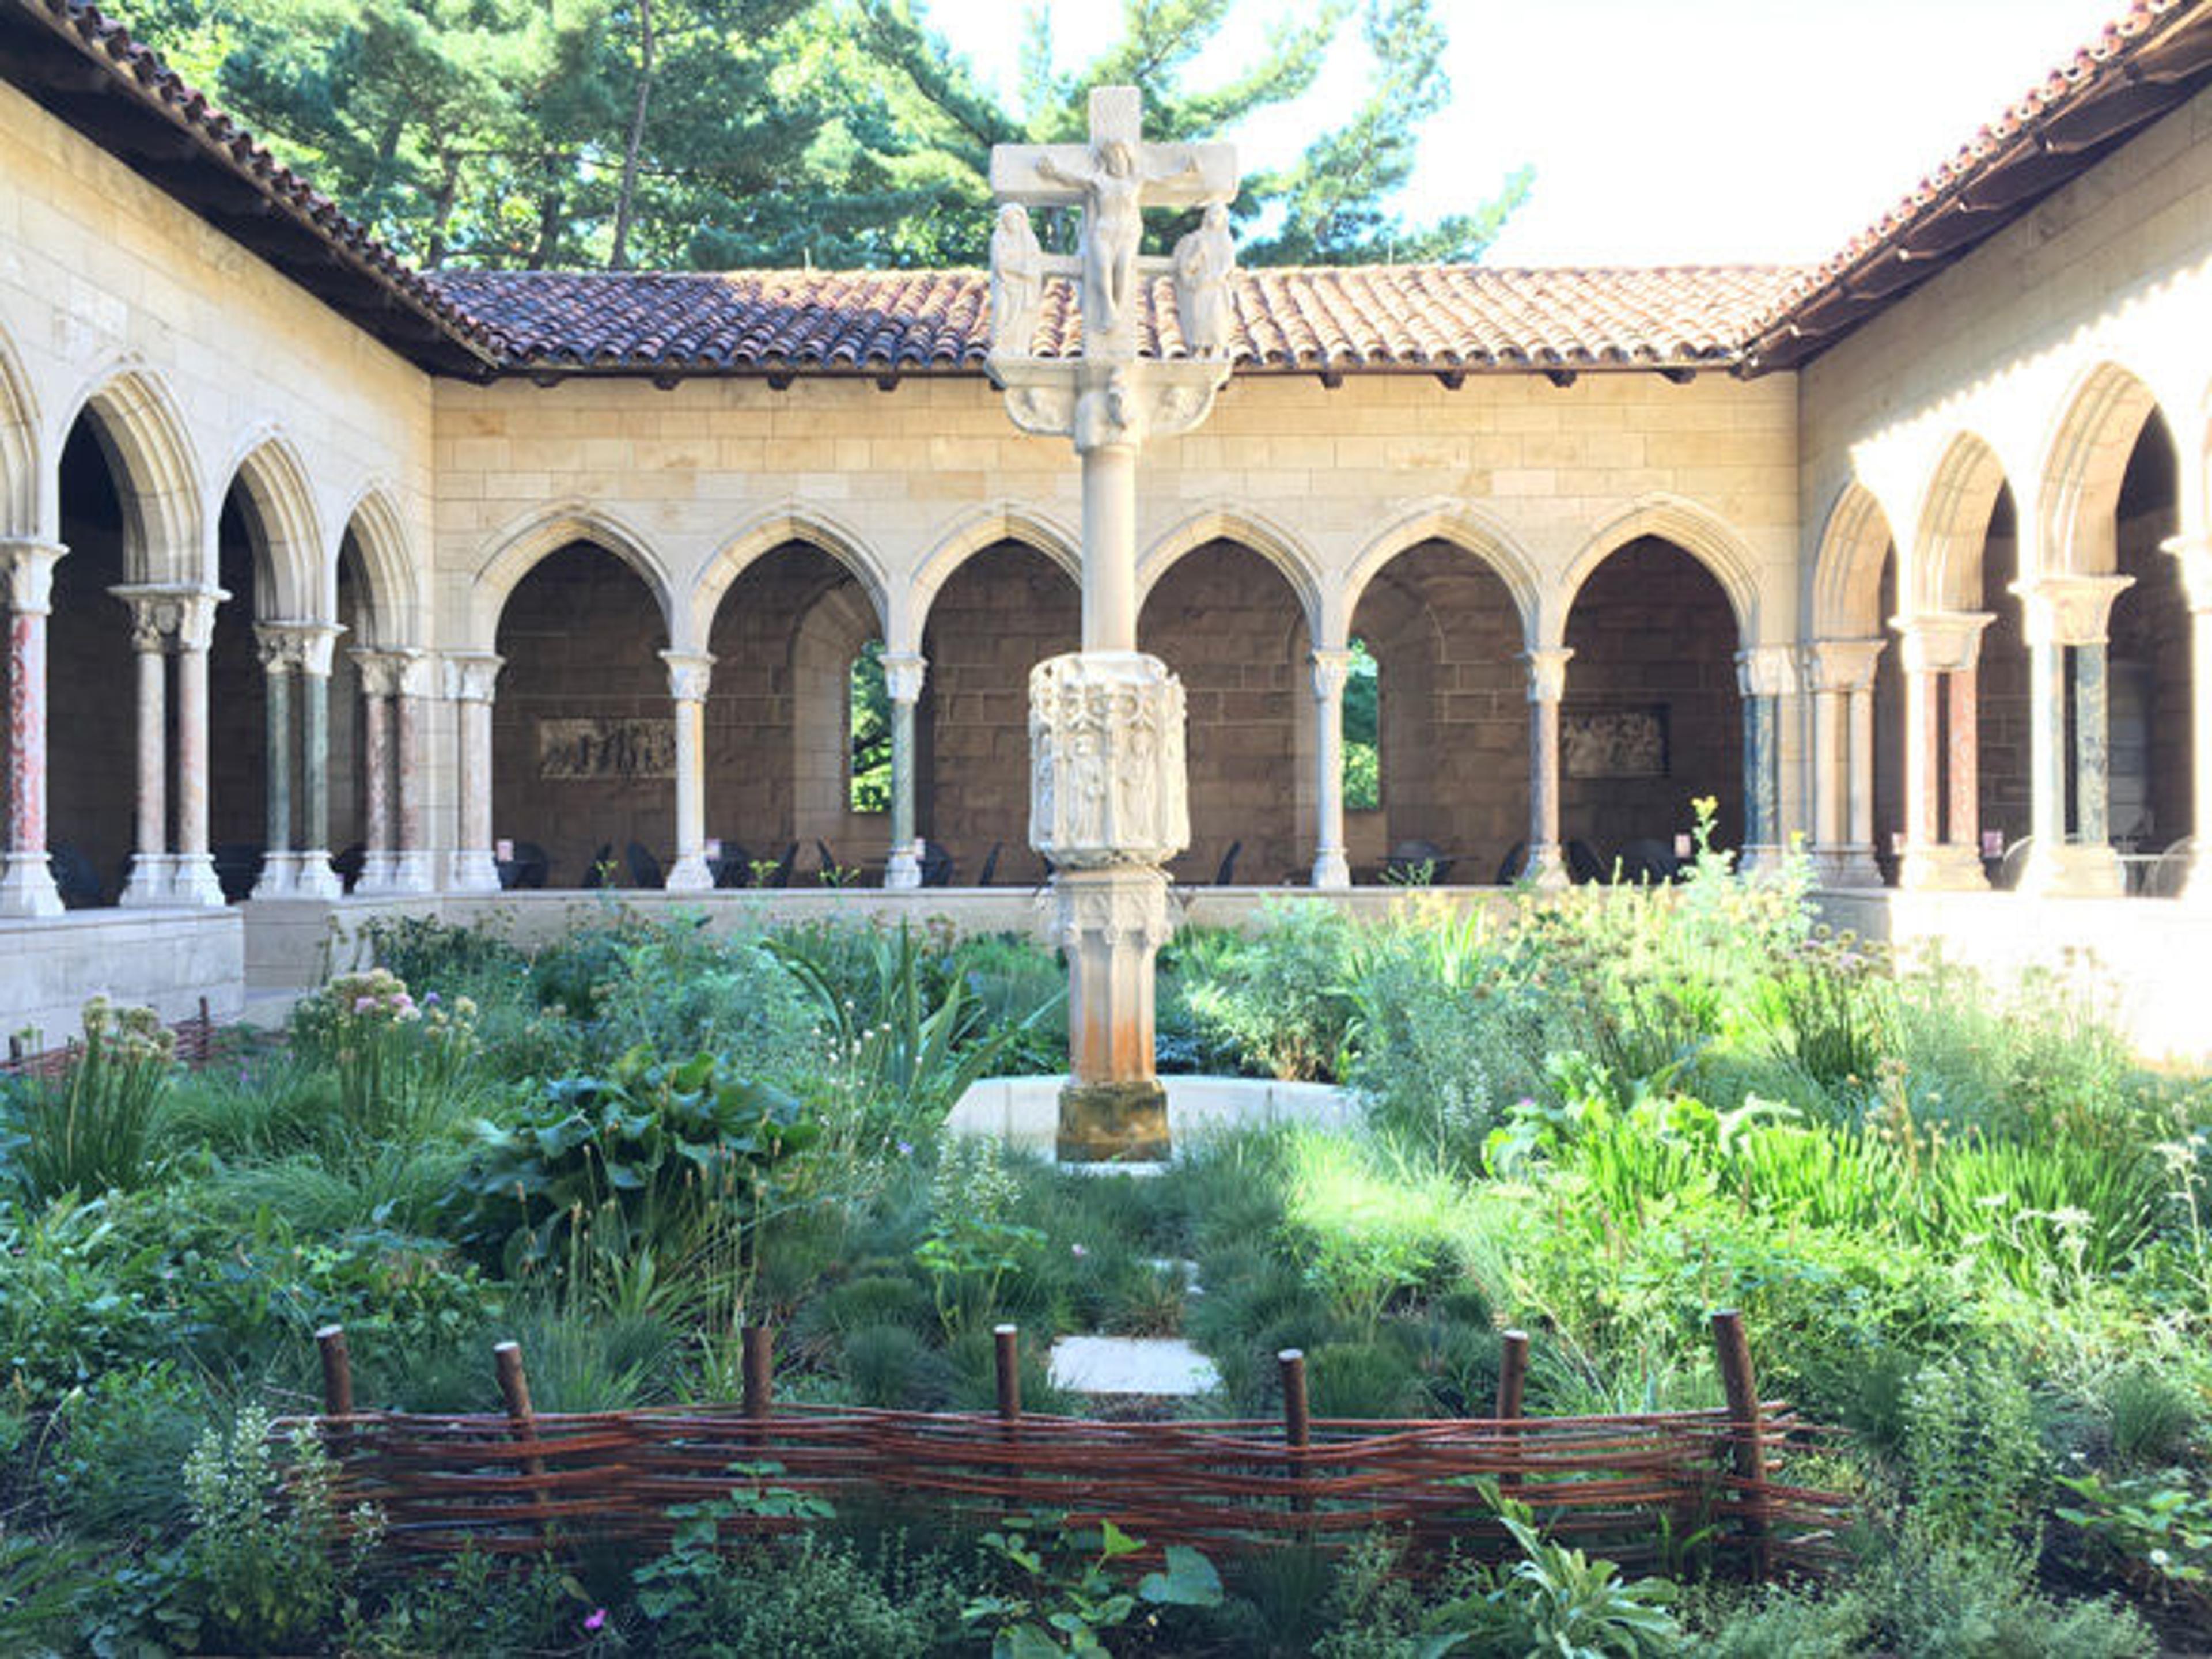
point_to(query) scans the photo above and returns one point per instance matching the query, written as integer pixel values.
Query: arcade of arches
(437, 590)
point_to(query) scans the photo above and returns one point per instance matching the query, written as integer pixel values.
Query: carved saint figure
(1016, 282)
(1113, 227)
(1109, 414)
(1203, 260)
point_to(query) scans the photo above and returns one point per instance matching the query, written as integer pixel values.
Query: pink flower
(597, 1622)
(1077, 1251)
(364, 1004)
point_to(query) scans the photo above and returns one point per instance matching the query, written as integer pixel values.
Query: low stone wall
(2148, 959)
(164, 959)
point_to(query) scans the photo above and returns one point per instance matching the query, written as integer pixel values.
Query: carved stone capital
(164, 614)
(1941, 642)
(1547, 672)
(2069, 610)
(296, 648)
(690, 674)
(28, 567)
(1107, 782)
(1840, 664)
(470, 675)
(1331, 669)
(903, 675)
(1767, 671)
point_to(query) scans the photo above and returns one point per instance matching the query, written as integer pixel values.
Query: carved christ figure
(1017, 281)
(1203, 260)
(1113, 225)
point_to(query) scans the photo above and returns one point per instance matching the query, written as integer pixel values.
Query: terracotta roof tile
(1358, 320)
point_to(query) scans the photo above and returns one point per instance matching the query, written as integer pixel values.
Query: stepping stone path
(1130, 1365)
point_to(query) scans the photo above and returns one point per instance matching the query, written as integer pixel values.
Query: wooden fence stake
(338, 1371)
(1748, 1450)
(759, 1364)
(1007, 1338)
(514, 1390)
(1512, 1384)
(1298, 1423)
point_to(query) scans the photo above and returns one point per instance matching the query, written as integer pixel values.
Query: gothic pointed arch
(985, 527)
(1464, 526)
(2084, 464)
(780, 526)
(517, 550)
(21, 494)
(378, 538)
(288, 538)
(1224, 522)
(1953, 521)
(1696, 530)
(136, 421)
(1847, 568)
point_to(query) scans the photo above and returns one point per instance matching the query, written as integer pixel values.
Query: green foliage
(1059, 1594)
(90, 1131)
(480, 1607)
(1971, 1450)
(677, 1588)
(1554, 1600)
(973, 1243)
(43, 1582)
(114, 1447)
(1278, 998)
(403, 1068)
(634, 1171)
(261, 1564)
(868, 709)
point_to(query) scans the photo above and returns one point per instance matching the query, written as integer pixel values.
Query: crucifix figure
(1109, 803)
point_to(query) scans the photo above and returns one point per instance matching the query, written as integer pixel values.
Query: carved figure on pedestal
(1203, 259)
(1016, 282)
(1113, 226)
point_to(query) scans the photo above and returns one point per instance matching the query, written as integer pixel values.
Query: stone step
(1130, 1365)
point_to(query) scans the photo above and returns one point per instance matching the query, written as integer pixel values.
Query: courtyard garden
(1963, 1226)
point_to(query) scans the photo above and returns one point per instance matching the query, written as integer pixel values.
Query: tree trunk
(441, 208)
(633, 145)
(550, 207)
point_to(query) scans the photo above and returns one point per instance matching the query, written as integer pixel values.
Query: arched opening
(238, 696)
(91, 786)
(583, 735)
(2150, 683)
(780, 719)
(1652, 718)
(1225, 619)
(1003, 611)
(1450, 698)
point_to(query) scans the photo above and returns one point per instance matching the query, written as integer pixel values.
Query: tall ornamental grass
(90, 1131)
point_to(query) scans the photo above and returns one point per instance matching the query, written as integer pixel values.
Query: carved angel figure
(1016, 282)
(1203, 259)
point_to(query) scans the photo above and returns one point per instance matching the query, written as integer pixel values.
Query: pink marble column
(154, 617)
(471, 679)
(194, 879)
(412, 871)
(26, 886)
(1963, 758)
(1924, 761)
(378, 676)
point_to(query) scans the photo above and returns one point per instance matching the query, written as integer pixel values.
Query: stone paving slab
(1130, 1365)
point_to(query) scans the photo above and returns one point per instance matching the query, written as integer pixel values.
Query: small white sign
(1681, 847)
(714, 847)
(503, 851)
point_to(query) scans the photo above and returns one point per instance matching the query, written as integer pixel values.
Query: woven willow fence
(521, 1482)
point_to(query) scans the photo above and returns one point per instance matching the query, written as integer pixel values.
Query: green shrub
(891, 1366)
(404, 1068)
(1363, 1380)
(114, 1448)
(481, 1607)
(1280, 999)
(1972, 1452)
(2152, 1416)
(90, 1130)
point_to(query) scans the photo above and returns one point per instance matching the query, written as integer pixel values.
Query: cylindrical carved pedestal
(1108, 806)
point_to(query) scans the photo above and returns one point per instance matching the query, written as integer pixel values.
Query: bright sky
(1661, 131)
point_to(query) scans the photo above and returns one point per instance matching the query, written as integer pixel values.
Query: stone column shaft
(195, 879)
(26, 884)
(1765, 674)
(376, 786)
(1546, 864)
(2066, 611)
(1964, 758)
(903, 677)
(152, 833)
(2047, 752)
(1831, 771)
(278, 794)
(471, 678)
(1861, 783)
(2200, 752)
(1109, 548)
(2091, 750)
(687, 678)
(1331, 867)
(315, 762)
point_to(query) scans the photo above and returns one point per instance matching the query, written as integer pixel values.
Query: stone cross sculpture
(1108, 802)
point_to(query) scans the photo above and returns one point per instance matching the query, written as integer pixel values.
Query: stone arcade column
(1107, 805)
(2195, 553)
(27, 884)
(413, 868)
(1331, 668)
(688, 672)
(380, 679)
(2063, 613)
(1546, 864)
(151, 623)
(297, 653)
(1940, 649)
(1765, 674)
(904, 677)
(1839, 673)
(167, 617)
(193, 876)
(471, 676)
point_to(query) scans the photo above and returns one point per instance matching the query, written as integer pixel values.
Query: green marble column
(315, 761)
(279, 680)
(2091, 753)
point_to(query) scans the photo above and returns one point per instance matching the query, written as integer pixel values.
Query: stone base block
(1330, 869)
(904, 869)
(1124, 1122)
(151, 882)
(26, 886)
(472, 873)
(2068, 871)
(689, 874)
(1942, 869)
(193, 881)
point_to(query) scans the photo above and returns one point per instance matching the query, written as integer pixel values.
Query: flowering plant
(398, 1060)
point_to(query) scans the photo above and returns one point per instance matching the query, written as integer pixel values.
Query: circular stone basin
(1024, 1111)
